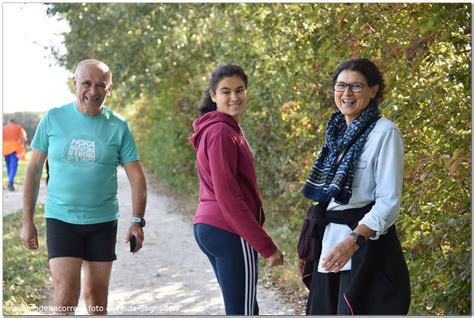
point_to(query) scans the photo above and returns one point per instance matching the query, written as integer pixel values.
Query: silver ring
(337, 264)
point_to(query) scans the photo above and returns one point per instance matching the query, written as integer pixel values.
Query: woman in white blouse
(357, 180)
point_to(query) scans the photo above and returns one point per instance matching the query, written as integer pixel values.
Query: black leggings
(235, 264)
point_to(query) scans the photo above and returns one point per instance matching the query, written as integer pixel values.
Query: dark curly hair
(225, 70)
(370, 71)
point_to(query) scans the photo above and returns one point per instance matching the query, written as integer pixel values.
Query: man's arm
(136, 177)
(29, 235)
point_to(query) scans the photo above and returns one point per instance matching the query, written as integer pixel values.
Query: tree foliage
(161, 55)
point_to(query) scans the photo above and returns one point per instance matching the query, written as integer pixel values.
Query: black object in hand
(133, 243)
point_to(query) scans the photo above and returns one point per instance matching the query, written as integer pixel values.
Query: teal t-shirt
(83, 154)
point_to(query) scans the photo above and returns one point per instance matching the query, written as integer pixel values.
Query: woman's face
(230, 96)
(352, 104)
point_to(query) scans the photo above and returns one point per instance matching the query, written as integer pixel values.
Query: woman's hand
(335, 260)
(275, 259)
(340, 255)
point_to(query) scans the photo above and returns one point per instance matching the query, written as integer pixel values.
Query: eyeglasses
(354, 87)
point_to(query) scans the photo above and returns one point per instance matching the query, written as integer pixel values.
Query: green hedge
(161, 55)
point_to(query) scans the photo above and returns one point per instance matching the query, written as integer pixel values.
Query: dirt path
(170, 275)
(13, 201)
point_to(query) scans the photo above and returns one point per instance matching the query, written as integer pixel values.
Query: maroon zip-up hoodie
(229, 198)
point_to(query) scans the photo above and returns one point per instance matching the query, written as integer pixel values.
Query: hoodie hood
(202, 123)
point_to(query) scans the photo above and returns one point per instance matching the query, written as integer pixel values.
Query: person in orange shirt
(14, 148)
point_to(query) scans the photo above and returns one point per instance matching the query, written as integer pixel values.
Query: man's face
(92, 85)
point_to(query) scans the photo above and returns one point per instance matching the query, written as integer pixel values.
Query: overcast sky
(31, 79)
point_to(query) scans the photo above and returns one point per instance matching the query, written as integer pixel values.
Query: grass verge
(25, 273)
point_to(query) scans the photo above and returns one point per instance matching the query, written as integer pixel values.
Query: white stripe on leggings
(250, 277)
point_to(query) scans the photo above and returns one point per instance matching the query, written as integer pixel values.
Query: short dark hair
(369, 70)
(225, 70)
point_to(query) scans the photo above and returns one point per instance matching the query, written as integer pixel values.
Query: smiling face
(230, 96)
(93, 82)
(352, 104)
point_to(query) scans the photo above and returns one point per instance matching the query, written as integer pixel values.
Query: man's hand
(29, 235)
(275, 259)
(136, 177)
(136, 230)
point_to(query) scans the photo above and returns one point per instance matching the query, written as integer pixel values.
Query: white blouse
(378, 177)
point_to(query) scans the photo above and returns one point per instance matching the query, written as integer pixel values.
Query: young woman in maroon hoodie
(228, 225)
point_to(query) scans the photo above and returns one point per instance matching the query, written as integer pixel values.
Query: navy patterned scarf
(327, 179)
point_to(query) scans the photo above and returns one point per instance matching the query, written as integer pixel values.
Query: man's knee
(66, 297)
(66, 273)
(95, 298)
(95, 294)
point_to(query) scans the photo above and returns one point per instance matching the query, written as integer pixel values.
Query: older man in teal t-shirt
(84, 143)
(83, 154)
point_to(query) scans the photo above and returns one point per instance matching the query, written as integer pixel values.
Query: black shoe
(11, 187)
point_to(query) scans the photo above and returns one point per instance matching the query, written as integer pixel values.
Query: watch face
(142, 222)
(359, 239)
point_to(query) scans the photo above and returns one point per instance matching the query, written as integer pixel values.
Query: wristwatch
(139, 220)
(359, 239)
